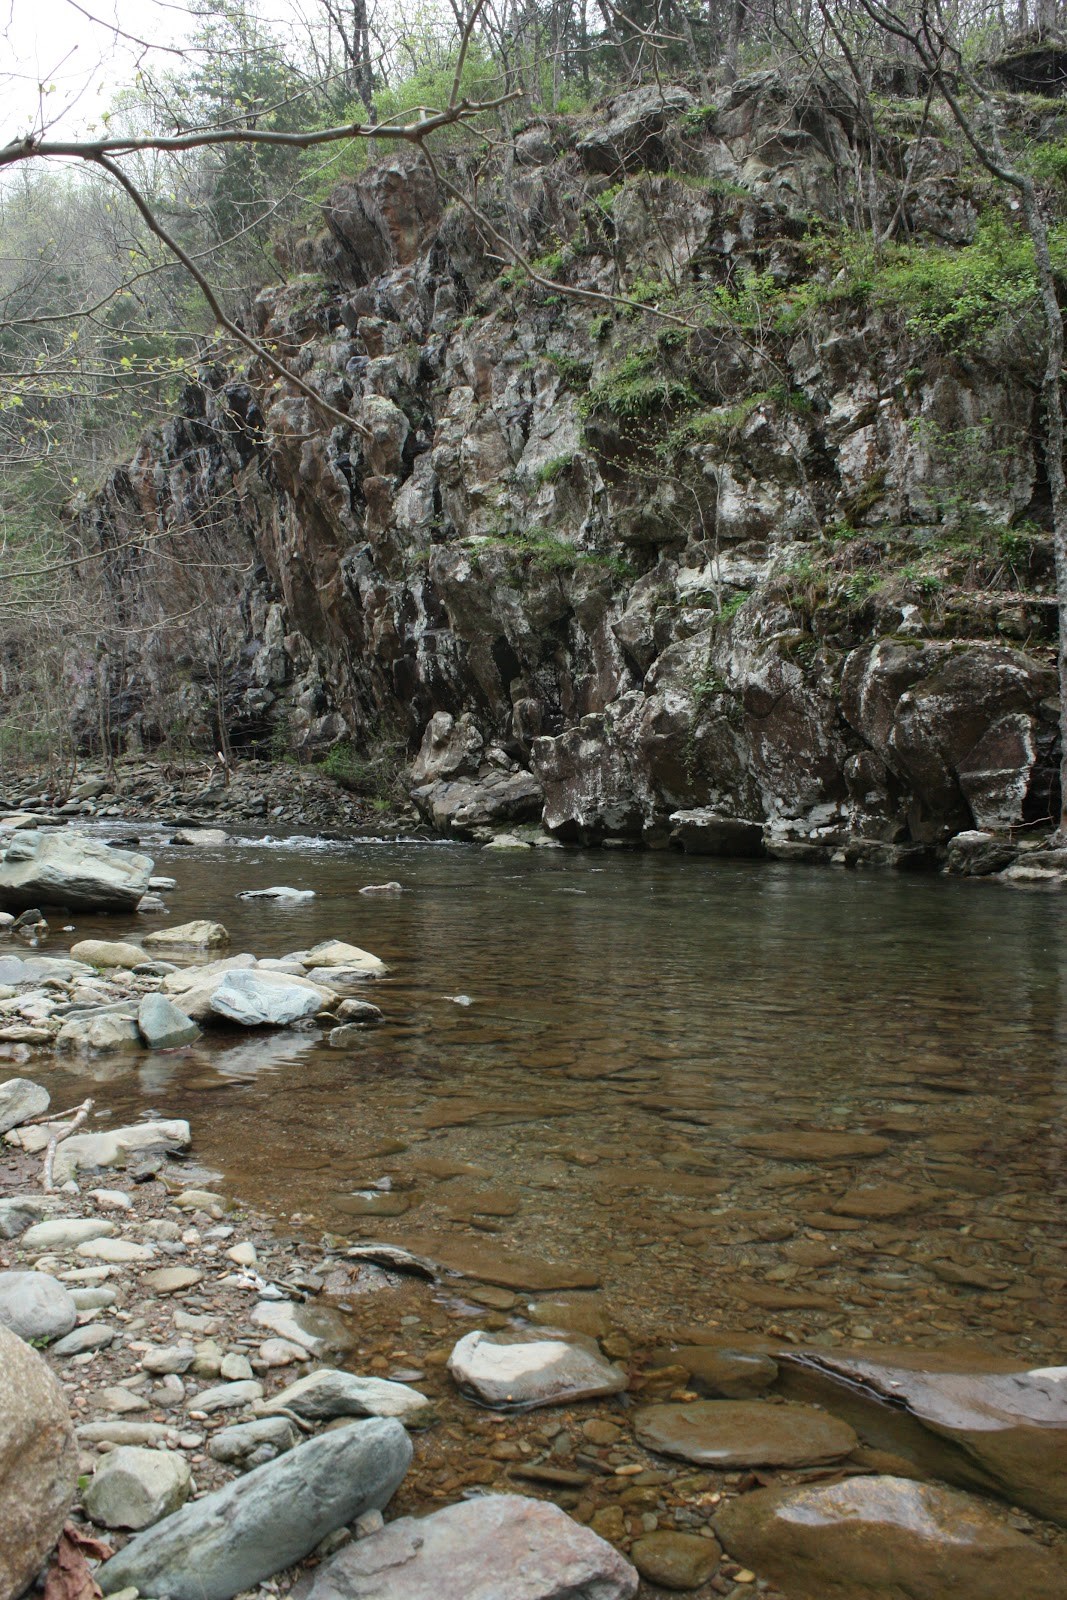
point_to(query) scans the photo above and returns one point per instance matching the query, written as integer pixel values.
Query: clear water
(634, 1020)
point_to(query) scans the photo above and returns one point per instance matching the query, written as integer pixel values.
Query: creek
(649, 1046)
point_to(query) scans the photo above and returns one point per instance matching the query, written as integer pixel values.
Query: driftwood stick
(47, 1180)
(47, 1116)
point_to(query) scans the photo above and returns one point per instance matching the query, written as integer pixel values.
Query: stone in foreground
(884, 1538)
(326, 1394)
(229, 1541)
(162, 1026)
(70, 869)
(38, 1463)
(498, 1547)
(107, 953)
(35, 1306)
(744, 1433)
(533, 1372)
(20, 1099)
(256, 1002)
(134, 1487)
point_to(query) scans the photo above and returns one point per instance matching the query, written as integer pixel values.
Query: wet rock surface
(880, 1538)
(743, 1433)
(519, 1372)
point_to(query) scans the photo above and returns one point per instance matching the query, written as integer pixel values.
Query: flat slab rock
(112, 1149)
(744, 1433)
(437, 1256)
(70, 869)
(214, 1548)
(881, 1538)
(486, 1549)
(20, 1099)
(830, 1147)
(1005, 1431)
(524, 1373)
(327, 1394)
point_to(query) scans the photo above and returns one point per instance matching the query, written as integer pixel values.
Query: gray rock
(227, 1396)
(229, 1541)
(498, 1547)
(70, 869)
(360, 1012)
(35, 1306)
(533, 1372)
(171, 1358)
(233, 1446)
(162, 1025)
(257, 1002)
(93, 1336)
(198, 935)
(319, 1330)
(134, 1487)
(704, 832)
(100, 1030)
(329, 1393)
(21, 1099)
(115, 1431)
(20, 1211)
(111, 1149)
(66, 1233)
(38, 1463)
(160, 882)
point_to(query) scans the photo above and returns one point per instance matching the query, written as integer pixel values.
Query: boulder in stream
(519, 1372)
(70, 869)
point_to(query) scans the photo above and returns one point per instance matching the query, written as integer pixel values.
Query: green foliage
(732, 605)
(637, 388)
(698, 121)
(552, 471)
(599, 327)
(547, 553)
(574, 372)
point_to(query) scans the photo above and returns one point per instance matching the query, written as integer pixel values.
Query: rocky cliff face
(726, 574)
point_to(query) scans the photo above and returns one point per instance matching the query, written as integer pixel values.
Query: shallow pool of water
(637, 1026)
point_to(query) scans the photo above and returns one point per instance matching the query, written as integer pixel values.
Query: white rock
(244, 1254)
(111, 1199)
(227, 1396)
(335, 953)
(533, 1372)
(101, 1030)
(116, 1250)
(107, 953)
(35, 1306)
(328, 1393)
(261, 1000)
(280, 1353)
(21, 1099)
(279, 892)
(235, 1368)
(111, 1149)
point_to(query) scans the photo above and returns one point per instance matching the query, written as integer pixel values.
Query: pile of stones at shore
(223, 1470)
(266, 794)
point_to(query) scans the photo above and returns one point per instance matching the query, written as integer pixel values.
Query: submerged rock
(229, 1541)
(486, 1549)
(280, 893)
(676, 1560)
(744, 1433)
(70, 869)
(38, 1462)
(883, 1538)
(726, 1374)
(522, 1372)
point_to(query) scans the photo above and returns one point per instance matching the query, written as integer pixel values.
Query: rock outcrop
(639, 580)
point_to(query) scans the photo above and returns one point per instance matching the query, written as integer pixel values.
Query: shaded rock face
(502, 581)
(38, 1463)
(883, 1538)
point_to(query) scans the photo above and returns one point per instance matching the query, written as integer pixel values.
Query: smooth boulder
(70, 869)
(497, 1547)
(522, 1373)
(198, 935)
(336, 953)
(38, 1463)
(214, 1548)
(35, 1306)
(107, 953)
(884, 1538)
